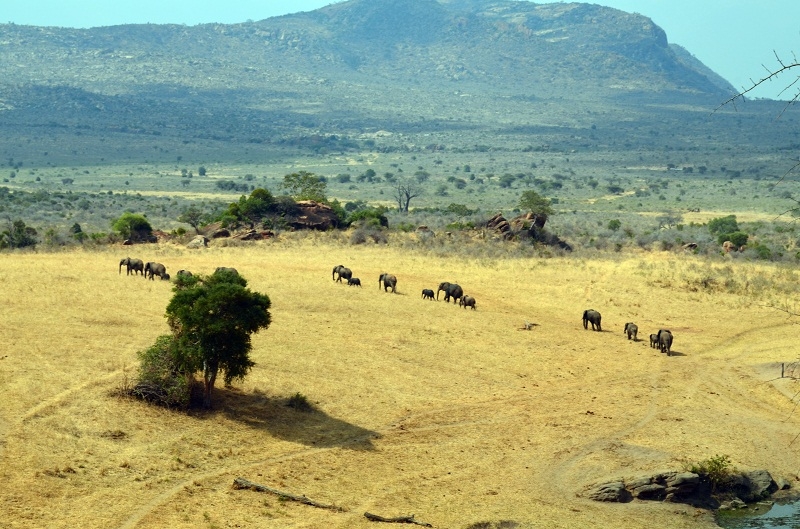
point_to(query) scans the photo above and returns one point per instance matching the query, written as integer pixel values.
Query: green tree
(614, 224)
(201, 171)
(18, 235)
(193, 216)
(723, 225)
(305, 186)
(535, 203)
(212, 319)
(133, 226)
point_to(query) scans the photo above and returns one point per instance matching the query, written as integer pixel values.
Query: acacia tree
(193, 216)
(404, 191)
(212, 319)
(535, 203)
(305, 186)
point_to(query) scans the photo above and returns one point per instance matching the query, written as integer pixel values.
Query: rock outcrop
(313, 215)
(689, 488)
(527, 226)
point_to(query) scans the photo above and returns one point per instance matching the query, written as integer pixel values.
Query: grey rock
(783, 484)
(652, 491)
(610, 492)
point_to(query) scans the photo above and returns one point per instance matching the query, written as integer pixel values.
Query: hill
(410, 67)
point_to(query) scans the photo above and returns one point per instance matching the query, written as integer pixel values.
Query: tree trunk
(209, 377)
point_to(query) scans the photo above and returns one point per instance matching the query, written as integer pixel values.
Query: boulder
(253, 235)
(199, 241)
(611, 492)
(313, 215)
(752, 486)
(728, 247)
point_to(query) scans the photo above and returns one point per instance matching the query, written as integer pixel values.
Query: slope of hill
(348, 67)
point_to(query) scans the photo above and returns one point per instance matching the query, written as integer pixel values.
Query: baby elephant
(653, 341)
(354, 282)
(631, 330)
(467, 301)
(427, 294)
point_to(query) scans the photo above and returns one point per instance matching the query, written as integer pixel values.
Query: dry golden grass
(454, 415)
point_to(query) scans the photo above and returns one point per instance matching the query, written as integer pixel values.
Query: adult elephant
(593, 317)
(154, 269)
(665, 341)
(451, 290)
(226, 269)
(631, 329)
(341, 272)
(133, 266)
(388, 281)
(467, 301)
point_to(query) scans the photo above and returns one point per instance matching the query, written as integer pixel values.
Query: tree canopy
(305, 186)
(535, 203)
(212, 319)
(133, 226)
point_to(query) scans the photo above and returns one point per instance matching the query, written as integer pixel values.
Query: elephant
(427, 294)
(226, 269)
(154, 269)
(631, 330)
(593, 317)
(389, 281)
(653, 341)
(133, 266)
(467, 301)
(665, 341)
(451, 290)
(354, 282)
(165, 277)
(183, 273)
(342, 272)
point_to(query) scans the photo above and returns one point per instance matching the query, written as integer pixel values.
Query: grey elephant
(467, 301)
(154, 269)
(665, 341)
(427, 294)
(227, 269)
(183, 273)
(133, 266)
(593, 317)
(341, 272)
(631, 329)
(451, 290)
(388, 281)
(165, 277)
(354, 282)
(653, 341)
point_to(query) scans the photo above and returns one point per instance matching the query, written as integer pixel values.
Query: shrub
(717, 470)
(300, 402)
(162, 379)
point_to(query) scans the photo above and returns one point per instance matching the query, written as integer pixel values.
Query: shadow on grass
(272, 414)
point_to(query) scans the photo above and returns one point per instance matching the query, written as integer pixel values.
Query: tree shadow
(272, 414)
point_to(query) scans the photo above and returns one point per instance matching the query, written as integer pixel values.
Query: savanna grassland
(421, 407)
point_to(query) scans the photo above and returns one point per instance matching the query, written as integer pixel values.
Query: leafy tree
(614, 224)
(305, 186)
(133, 226)
(192, 216)
(257, 205)
(212, 319)
(18, 235)
(739, 238)
(723, 225)
(535, 203)
(201, 171)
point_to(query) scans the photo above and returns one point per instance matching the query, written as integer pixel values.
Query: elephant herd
(151, 269)
(662, 340)
(389, 281)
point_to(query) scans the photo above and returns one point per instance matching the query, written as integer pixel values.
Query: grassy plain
(457, 416)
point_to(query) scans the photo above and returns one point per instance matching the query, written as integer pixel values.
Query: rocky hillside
(402, 65)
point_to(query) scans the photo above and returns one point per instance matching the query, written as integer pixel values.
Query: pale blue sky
(735, 38)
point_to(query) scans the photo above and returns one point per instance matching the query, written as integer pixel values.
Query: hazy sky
(735, 38)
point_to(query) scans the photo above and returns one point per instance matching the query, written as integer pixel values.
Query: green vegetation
(18, 235)
(212, 319)
(717, 470)
(535, 203)
(133, 226)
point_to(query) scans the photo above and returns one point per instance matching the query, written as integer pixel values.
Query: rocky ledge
(693, 489)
